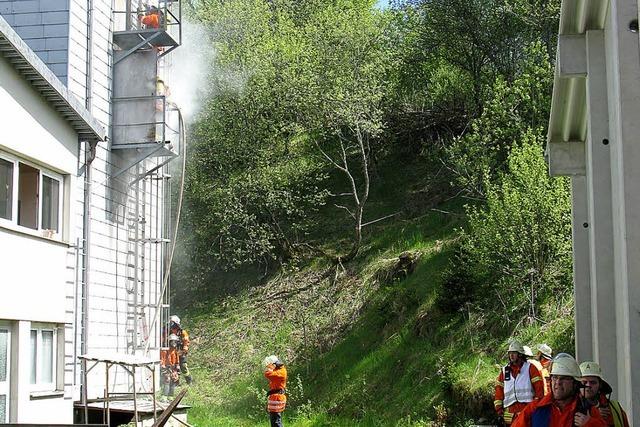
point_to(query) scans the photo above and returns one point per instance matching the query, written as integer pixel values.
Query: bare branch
(326, 156)
(379, 219)
(346, 209)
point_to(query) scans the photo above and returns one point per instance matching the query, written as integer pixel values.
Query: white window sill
(54, 394)
(37, 234)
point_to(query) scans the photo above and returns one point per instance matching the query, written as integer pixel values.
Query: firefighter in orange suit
(597, 392)
(276, 373)
(519, 383)
(170, 366)
(563, 407)
(151, 19)
(545, 354)
(535, 362)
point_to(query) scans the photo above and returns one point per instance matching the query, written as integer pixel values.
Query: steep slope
(371, 343)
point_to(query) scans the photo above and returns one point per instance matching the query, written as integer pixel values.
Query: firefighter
(170, 366)
(151, 18)
(545, 354)
(535, 362)
(183, 346)
(597, 392)
(276, 373)
(563, 407)
(519, 383)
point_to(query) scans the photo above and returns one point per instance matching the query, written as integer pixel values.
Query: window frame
(42, 172)
(60, 180)
(14, 190)
(39, 385)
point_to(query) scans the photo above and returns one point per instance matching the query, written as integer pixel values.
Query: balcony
(151, 24)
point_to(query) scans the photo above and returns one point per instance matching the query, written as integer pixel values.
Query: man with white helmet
(534, 361)
(518, 383)
(563, 407)
(276, 373)
(183, 345)
(545, 354)
(597, 391)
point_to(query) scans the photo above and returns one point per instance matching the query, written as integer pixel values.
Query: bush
(517, 248)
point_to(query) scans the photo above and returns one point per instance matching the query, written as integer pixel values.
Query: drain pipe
(90, 155)
(89, 69)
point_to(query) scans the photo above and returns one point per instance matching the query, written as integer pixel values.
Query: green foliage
(514, 108)
(517, 249)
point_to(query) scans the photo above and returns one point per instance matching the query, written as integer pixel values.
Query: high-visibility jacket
(524, 390)
(542, 370)
(276, 399)
(169, 358)
(618, 417)
(183, 344)
(546, 375)
(152, 20)
(546, 413)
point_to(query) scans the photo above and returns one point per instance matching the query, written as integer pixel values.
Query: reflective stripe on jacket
(519, 388)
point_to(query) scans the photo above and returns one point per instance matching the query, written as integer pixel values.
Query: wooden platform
(126, 406)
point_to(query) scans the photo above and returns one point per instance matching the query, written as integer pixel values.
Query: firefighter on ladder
(518, 384)
(276, 373)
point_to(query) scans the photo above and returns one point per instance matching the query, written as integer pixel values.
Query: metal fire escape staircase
(145, 138)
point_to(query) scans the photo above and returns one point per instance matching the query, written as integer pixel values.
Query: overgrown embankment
(392, 338)
(369, 344)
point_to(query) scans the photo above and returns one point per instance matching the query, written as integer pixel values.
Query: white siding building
(84, 199)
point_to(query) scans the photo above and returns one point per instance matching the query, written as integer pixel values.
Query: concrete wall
(83, 43)
(38, 273)
(44, 25)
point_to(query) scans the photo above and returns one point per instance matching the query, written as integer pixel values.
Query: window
(50, 203)
(43, 358)
(30, 197)
(6, 189)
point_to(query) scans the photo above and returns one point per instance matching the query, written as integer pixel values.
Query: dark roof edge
(27, 63)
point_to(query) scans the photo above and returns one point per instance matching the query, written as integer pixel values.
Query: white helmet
(527, 351)
(270, 360)
(175, 319)
(173, 337)
(545, 350)
(592, 369)
(566, 366)
(516, 346)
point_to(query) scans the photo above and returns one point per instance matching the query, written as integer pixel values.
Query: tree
(350, 68)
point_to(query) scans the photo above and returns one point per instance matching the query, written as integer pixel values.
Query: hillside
(375, 342)
(367, 197)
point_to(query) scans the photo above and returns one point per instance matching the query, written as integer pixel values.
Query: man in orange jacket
(597, 392)
(563, 407)
(518, 383)
(170, 366)
(276, 373)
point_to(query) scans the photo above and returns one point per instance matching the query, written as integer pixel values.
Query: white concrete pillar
(581, 274)
(23, 373)
(598, 168)
(623, 76)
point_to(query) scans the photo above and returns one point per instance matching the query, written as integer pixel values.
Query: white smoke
(188, 69)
